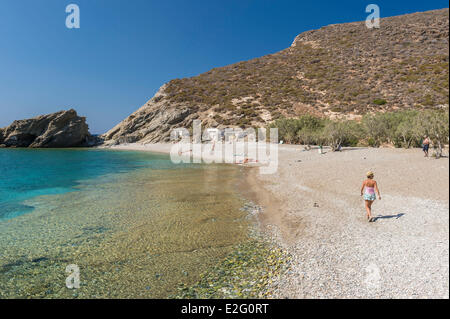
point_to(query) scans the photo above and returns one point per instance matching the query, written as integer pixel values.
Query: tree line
(404, 129)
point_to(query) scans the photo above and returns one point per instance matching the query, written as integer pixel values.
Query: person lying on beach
(368, 189)
(180, 152)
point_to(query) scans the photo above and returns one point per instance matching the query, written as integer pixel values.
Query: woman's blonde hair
(370, 174)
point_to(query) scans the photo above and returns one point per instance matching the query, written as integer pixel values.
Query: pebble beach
(311, 206)
(314, 203)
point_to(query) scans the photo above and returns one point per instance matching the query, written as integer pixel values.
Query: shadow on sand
(388, 216)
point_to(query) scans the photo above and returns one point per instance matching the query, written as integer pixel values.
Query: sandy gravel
(313, 205)
(336, 252)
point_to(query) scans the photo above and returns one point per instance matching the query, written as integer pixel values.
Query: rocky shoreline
(55, 130)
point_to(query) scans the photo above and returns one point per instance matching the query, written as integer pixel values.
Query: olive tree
(375, 127)
(434, 125)
(336, 133)
(407, 134)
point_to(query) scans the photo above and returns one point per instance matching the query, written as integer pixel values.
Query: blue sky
(125, 50)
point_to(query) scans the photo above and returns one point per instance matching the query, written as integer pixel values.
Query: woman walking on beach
(368, 189)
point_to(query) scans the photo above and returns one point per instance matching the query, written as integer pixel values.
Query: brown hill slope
(338, 70)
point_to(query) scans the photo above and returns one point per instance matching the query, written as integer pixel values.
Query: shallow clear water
(135, 224)
(28, 173)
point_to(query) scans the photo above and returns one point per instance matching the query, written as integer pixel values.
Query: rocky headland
(60, 129)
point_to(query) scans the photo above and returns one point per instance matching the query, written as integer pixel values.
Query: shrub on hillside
(401, 129)
(379, 102)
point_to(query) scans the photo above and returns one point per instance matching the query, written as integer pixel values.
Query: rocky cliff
(343, 70)
(60, 129)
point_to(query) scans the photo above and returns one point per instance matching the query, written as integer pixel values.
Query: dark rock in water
(60, 129)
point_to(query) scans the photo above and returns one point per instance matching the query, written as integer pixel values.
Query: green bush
(400, 128)
(304, 130)
(379, 102)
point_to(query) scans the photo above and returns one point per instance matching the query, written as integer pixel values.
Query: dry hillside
(342, 70)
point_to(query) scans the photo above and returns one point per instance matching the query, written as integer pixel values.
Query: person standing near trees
(426, 145)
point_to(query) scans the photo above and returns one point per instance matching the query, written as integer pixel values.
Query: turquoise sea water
(135, 224)
(29, 173)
